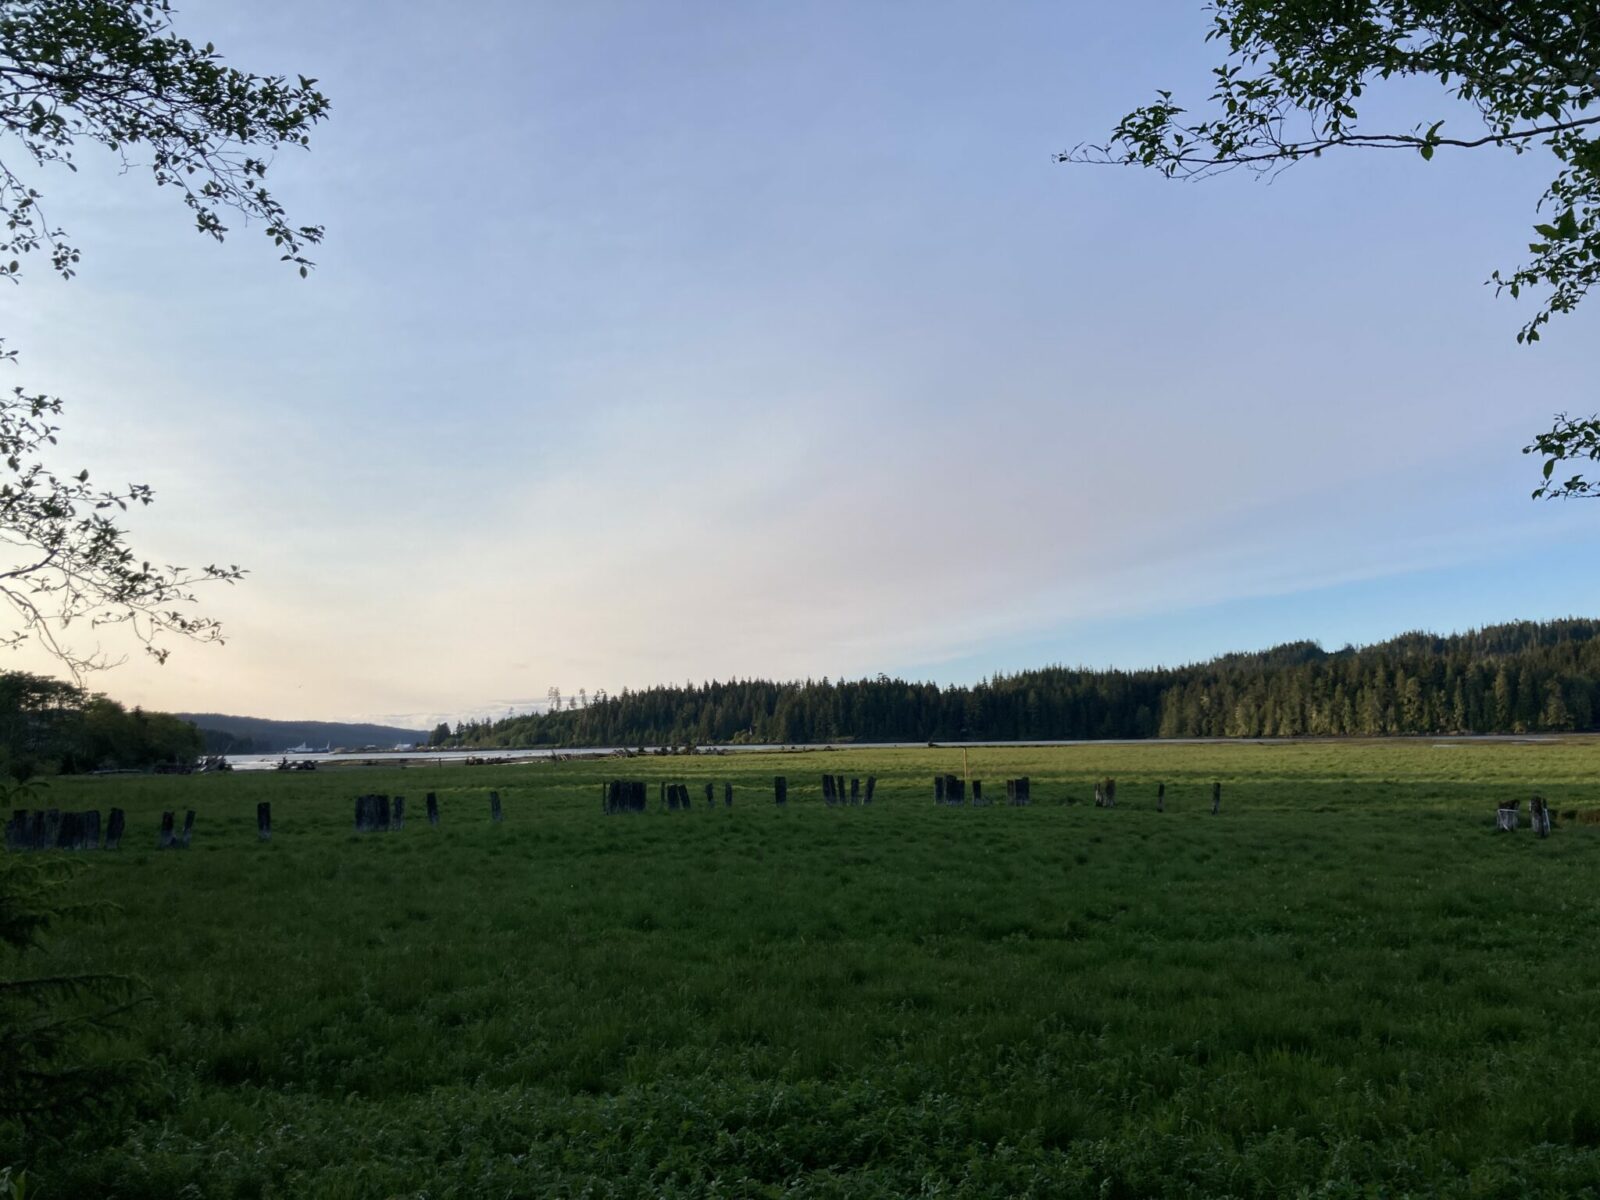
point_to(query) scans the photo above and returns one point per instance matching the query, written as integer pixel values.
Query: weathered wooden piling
(372, 814)
(938, 788)
(1505, 817)
(164, 837)
(494, 807)
(727, 795)
(855, 790)
(433, 809)
(1539, 815)
(872, 786)
(264, 821)
(955, 790)
(91, 829)
(188, 829)
(977, 794)
(115, 824)
(1161, 797)
(1216, 798)
(52, 828)
(827, 790)
(17, 831)
(397, 814)
(780, 790)
(711, 795)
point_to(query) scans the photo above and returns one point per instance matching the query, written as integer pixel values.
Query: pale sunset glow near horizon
(654, 342)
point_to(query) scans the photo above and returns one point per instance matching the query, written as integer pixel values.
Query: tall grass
(1344, 985)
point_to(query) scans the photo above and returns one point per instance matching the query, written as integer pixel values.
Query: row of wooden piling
(834, 794)
(52, 829)
(952, 790)
(385, 814)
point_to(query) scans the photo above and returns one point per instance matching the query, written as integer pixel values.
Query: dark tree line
(49, 726)
(1517, 678)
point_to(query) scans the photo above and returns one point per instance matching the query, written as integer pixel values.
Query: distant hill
(225, 734)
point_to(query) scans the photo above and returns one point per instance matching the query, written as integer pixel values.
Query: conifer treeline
(1517, 678)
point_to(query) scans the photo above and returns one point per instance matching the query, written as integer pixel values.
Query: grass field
(1346, 984)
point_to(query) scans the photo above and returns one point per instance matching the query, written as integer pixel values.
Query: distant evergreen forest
(1516, 678)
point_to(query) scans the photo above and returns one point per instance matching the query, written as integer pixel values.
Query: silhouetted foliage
(1295, 76)
(48, 725)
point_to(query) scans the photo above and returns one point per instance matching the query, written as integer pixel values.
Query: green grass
(1344, 985)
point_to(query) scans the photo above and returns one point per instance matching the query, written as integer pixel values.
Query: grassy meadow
(1344, 985)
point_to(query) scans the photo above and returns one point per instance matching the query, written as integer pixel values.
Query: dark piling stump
(938, 789)
(1505, 817)
(1216, 798)
(727, 795)
(780, 790)
(164, 838)
(855, 791)
(827, 790)
(711, 795)
(495, 814)
(17, 830)
(52, 827)
(188, 829)
(872, 786)
(117, 822)
(977, 793)
(433, 809)
(67, 832)
(91, 829)
(1161, 797)
(37, 829)
(397, 815)
(264, 821)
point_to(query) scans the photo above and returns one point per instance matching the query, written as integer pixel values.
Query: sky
(654, 342)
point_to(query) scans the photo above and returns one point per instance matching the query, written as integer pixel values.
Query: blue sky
(665, 341)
